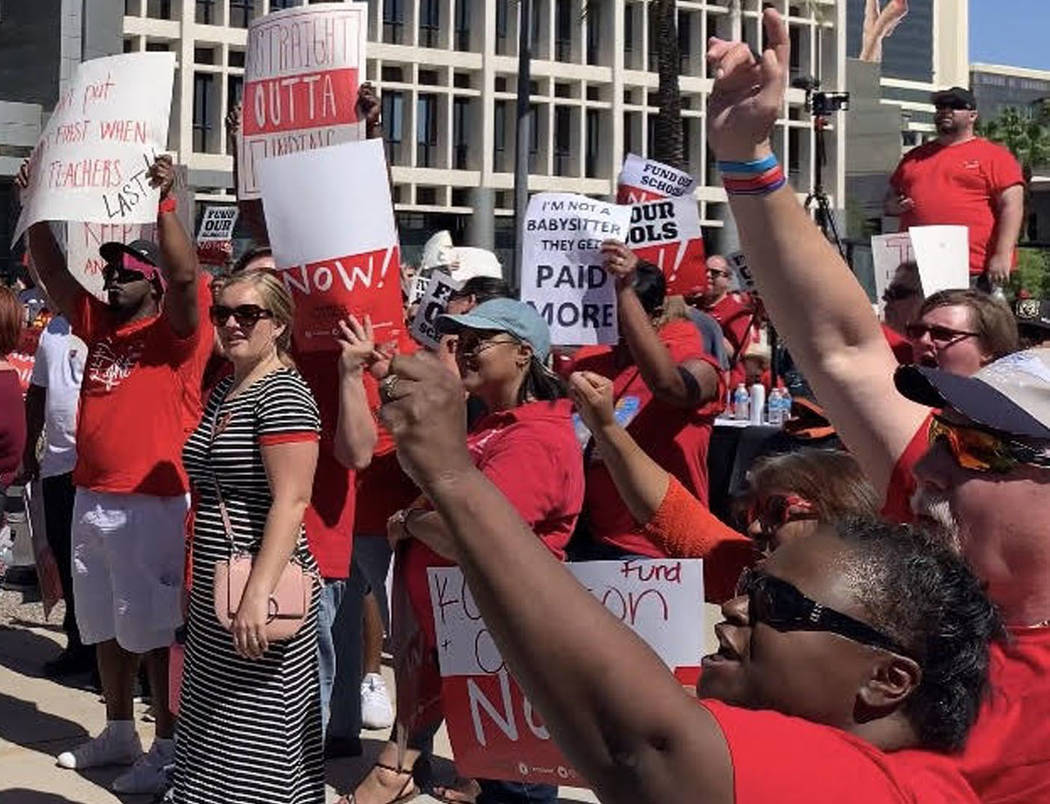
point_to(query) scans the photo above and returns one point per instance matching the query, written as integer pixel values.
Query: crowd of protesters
(887, 604)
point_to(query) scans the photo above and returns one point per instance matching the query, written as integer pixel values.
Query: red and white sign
(301, 76)
(215, 238)
(647, 180)
(667, 233)
(331, 226)
(495, 732)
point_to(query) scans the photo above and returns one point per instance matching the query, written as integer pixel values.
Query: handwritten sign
(331, 225)
(424, 325)
(943, 256)
(888, 253)
(495, 732)
(745, 280)
(667, 233)
(562, 273)
(301, 77)
(647, 180)
(107, 128)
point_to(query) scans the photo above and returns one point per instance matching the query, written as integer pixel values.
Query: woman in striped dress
(250, 719)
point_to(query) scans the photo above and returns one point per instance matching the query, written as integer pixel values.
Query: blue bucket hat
(504, 315)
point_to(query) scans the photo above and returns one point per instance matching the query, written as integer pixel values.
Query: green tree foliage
(1032, 274)
(1026, 135)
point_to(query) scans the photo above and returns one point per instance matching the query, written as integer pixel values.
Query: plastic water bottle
(741, 403)
(785, 406)
(776, 408)
(758, 402)
(998, 294)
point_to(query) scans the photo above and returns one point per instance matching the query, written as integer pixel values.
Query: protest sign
(433, 303)
(943, 257)
(647, 180)
(337, 251)
(494, 731)
(215, 238)
(888, 253)
(301, 76)
(419, 288)
(562, 274)
(107, 128)
(667, 233)
(745, 280)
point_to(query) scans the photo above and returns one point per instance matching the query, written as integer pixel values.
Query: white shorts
(128, 561)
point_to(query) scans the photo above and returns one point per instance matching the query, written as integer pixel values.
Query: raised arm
(813, 298)
(355, 429)
(179, 254)
(49, 261)
(660, 747)
(685, 385)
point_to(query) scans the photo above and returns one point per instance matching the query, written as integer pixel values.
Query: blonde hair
(674, 309)
(276, 299)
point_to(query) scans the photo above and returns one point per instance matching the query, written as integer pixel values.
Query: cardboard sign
(107, 128)
(647, 180)
(420, 283)
(424, 325)
(888, 252)
(943, 257)
(667, 233)
(562, 274)
(331, 225)
(301, 76)
(495, 732)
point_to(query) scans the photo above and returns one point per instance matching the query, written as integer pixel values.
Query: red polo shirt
(897, 505)
(958, 184)
(675, 438)
(793, 761)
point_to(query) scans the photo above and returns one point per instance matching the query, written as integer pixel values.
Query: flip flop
(408, 790)
(451, 794)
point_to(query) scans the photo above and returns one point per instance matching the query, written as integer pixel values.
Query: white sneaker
(376, 709)
(112, 747)
(149, 774)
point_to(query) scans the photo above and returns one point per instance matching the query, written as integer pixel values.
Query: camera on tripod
(821, 104)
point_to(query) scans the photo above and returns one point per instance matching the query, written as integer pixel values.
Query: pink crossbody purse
(289, 601)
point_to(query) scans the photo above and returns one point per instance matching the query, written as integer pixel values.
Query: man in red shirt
(667, 390)
(736, 317)
(139, 399)
(960, 178)
(985, 473)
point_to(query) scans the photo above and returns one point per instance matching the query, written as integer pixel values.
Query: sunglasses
(955, 106)
(716, 272)
(471, 346)
(983, 451)
(120, 275)
(941, 336)
(246, 315)
(781, 606)
(776, 510)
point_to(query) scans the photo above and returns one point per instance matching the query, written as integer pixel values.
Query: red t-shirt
(958, 184)
(793, 761)
(736, 317)
(901, 346)
(675, 438)
(1007, 758)
(12, 428)
(139, 400)
(897, 505)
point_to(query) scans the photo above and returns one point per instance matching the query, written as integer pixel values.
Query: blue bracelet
(749, 168)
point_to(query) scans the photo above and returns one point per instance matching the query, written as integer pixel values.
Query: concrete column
(481, 226)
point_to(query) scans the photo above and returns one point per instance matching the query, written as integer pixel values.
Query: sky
(1013, 32)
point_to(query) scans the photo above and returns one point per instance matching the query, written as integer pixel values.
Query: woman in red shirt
(526, 446)
(12, 411)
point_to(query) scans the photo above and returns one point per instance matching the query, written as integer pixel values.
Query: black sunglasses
(780, 605)
(121, 275)
(246, 315)
(954, 105)
(943, 336)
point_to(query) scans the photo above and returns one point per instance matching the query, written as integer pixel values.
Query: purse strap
(223, 512)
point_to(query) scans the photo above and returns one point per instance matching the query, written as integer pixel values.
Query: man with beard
(963, 179)
(985, 465)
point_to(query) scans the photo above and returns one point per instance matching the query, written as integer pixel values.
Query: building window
(685, 42)
(129, 45)
(426, 130)
(280, 5)
(594, 31)
(205, 12)
(562, 139)
(393, 122)
(463, 25)
(628, 140)
(204, 55)
(234, 90)
(499, 136)
(203, 84)
(241, 13)
(460, 132)
(502, 26)
(593, 143)
(628, 35)
(158, 9)
(393, 21)
(429, 22)
(534, 136)
(563, 31)
(235, 58)
(157, 47)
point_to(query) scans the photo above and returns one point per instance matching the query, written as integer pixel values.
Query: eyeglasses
(983, 451)
(246, 315)
(781, 606)
(941, 336)
(120, 275)
(472, 346)
(776, 510)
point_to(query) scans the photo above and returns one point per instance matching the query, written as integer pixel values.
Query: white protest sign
(302, 72)
(217, 224)
(419, 288)
(745, 279)
(943, 256)
(433, 303)
(108, 125)
(331, 226)
(562, 274)
(888, 252)
(646, 180)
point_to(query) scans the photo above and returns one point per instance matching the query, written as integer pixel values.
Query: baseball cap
(504, 315)
(1011, 395)
(955, 96)
(143, 251)
(1033, 313)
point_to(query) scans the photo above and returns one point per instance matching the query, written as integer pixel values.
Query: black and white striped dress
(248, 731)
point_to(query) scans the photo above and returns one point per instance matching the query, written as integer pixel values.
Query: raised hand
(619, 261)
(748, 93)
(369, 108)
(233, 122)
(357, 345)
(162, 174)
(593, 396)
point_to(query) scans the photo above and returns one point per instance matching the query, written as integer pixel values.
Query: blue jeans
(495, 792)
(331, 597)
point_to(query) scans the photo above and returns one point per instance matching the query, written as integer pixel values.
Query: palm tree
(668, 142)
(1026, 135)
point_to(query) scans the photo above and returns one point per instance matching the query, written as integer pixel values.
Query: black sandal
(408, 790)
